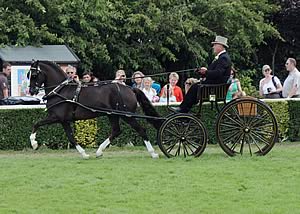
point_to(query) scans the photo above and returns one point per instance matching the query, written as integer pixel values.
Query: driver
(217, 72)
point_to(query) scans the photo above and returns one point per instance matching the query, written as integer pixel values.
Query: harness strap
(120, 104)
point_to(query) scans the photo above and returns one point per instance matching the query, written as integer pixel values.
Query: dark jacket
(219, 70)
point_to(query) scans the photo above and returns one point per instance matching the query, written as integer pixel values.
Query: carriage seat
(212, 93)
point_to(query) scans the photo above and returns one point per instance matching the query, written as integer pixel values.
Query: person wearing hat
(217, 72)
(269, 87)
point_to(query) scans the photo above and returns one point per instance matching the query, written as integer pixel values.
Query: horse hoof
(34, 145)
(155, 155)
(99, 154)
(85, 156)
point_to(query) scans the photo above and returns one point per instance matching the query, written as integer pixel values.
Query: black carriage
(242, 125)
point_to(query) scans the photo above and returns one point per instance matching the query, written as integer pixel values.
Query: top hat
(221, 40)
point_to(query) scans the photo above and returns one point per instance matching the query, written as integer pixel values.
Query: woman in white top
(148, 90)
(269, 87)
(163, 97)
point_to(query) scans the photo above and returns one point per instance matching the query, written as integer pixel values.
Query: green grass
(127, 180)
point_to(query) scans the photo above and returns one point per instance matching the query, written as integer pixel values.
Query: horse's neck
(54, 76)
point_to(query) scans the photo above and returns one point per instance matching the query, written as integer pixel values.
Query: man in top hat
(217, 72)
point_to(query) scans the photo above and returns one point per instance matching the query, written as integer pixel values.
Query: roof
(56, 53)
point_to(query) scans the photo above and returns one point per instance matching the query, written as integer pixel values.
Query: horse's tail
(147, 107)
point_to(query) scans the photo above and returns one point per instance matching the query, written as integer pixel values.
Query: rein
(109, 81)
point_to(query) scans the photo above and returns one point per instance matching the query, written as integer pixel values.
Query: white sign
(19, 81)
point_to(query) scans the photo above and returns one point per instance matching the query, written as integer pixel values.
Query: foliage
(247, 82)
(294, 122)
(85, 132)
(282, 114)
(151, 36)
(94, 132)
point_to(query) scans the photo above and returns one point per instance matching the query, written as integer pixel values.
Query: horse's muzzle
(33, 90)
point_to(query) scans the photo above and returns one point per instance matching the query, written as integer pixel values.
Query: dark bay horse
(68, 101)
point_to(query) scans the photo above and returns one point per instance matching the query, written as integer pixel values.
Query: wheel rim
(182, 135)
(246, 125)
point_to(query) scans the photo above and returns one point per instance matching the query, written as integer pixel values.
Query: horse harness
(120, 106)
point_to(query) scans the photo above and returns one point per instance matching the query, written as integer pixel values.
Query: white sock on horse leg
(102, 147)
(150, 149)
(33, 142)
(82, 152)
(149, 146)
(104, 144)
(79, 149)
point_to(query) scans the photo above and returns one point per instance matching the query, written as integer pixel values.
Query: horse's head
(37, 77)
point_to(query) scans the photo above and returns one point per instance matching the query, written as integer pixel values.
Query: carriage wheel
(246, 125)
(182, 135)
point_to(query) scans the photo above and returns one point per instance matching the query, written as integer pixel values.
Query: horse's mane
(52, 65)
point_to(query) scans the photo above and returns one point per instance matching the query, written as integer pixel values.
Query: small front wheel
(182, 135)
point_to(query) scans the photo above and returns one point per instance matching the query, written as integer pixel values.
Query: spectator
(270, 86)
(120, 77)
(235, 89)
(188, 83)
(88, 76)
(4, 87)
(137, 79)
(291, 85)
(177, 92)
(71, 73)
(163, 98)
(148, 90)
(217, 72)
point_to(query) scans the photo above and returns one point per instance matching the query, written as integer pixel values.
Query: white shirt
(217, 57)
(269, 85)
(293, 79)
(149, 93)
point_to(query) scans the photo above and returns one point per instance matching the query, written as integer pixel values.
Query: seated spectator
(163, 98)
(235, 89)
(137, 80)
(120, 77)
(188, 83)
(177, 92)
(156, 86)
(291, 85)
(87, 77)
(71, 73)
(270, 86)
(149, 91)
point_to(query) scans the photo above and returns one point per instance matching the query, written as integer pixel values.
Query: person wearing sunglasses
(291, 85)
(71, 73)
(270, 86)
(120, 77)
(188, 83)
(235, 88)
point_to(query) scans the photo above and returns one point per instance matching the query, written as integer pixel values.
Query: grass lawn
(127, 180)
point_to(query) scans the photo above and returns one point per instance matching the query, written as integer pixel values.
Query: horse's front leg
(70, 134)
(46, 121)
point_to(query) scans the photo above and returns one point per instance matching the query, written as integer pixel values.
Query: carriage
(244, 124)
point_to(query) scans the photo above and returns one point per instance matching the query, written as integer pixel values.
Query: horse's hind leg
(142, 132)
(116, 131)
(46, 121)
(69, 132)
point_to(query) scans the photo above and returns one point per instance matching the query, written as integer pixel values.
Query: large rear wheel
(246, 125)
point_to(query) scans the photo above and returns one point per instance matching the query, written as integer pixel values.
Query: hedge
(16, 126)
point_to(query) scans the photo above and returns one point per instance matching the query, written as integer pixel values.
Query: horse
(68, 101)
